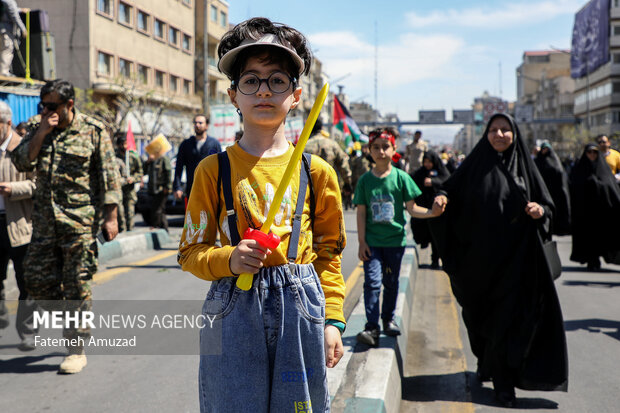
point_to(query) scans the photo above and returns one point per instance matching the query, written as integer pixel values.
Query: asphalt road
(439, 373)
(121, 383)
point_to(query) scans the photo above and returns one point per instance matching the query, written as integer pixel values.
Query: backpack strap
(307, 161)
(293, 244)
(223, 182)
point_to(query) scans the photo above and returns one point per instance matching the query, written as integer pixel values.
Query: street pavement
(439, 372)
(122, 383)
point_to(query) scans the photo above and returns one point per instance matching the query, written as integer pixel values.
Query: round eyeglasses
(277, 82)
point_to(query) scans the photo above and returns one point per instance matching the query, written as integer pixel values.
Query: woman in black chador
(429, 178)
(595, 202)
(498, 213)
(556, 179)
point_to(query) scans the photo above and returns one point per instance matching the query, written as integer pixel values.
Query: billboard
(590, 45)
(463, 116)
(491, 108)
(432, 116)
(224, 124)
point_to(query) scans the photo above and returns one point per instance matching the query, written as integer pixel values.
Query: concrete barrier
(370, 379)
(132, 243)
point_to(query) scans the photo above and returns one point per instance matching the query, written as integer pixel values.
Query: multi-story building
(597, 95)
(110, 45)
(545, 95)
(217, 24)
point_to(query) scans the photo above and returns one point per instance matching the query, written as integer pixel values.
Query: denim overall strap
(224, 173)
(293, 244)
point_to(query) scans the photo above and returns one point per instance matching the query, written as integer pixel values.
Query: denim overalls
(269, 340)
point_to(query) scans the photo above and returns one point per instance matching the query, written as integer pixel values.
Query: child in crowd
(278, 337)
(380, 195)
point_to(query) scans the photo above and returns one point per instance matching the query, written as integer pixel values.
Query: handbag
(550, 249)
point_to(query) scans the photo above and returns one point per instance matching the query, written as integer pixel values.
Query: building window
(143, 21)
(616, 3)
(143, 74)
(187, 87)
(104, 65)
(159, 29)
(124, 13)
(616, 30)
(616, 87)
(223, 20)
(105, 7)
(173, 36)
(173, 83)
(189, 2)
(159, 79)
(187, 42)
(124, 68)
(213, 13)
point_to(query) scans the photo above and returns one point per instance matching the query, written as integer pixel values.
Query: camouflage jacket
(75, 175)
(332, 153)
(359, 166)
(135, 169)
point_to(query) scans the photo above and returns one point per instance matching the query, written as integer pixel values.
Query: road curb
(132, 244)
(371, 382)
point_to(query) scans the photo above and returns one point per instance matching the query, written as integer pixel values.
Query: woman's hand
(534, 210)
(248, 257)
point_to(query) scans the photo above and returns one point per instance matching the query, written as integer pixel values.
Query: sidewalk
(369, 379)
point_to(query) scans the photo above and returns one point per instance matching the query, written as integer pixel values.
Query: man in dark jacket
(191, 152)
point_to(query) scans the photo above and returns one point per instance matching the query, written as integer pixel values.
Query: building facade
(597, 95)
(110, 46)
(545, 95)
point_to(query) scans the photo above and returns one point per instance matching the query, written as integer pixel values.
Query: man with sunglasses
(77, 191)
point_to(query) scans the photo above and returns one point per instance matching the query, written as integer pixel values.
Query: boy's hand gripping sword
(263, 236)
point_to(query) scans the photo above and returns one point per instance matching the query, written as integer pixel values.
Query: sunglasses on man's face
(51, 106)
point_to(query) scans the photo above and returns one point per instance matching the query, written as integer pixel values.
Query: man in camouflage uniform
(159, 171)
(359, 166)
(77, 187)
(320, 144)
(414, 152)
(130, 176)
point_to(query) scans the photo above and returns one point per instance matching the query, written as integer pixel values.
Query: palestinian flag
(345, 123)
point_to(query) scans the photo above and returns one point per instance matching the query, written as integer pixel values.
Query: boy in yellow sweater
(266, 349)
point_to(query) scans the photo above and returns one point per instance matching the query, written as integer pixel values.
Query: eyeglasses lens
(277, 82)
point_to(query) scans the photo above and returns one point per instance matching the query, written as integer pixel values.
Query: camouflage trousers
(58, 271)
(129, 206)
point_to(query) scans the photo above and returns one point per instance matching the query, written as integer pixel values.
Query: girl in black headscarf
(595, 202)
(429, 178)
(556, 179)
(497, 215)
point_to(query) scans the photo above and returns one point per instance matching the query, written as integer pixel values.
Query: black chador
(556, 179)
(493, 253)
(595, 202)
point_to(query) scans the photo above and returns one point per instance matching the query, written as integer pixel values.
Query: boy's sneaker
(73, 363)
(369, 337)
(390, 328)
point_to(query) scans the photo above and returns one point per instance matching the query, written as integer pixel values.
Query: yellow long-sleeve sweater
(254, 181)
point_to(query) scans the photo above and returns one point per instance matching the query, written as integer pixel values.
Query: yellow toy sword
(244, 281)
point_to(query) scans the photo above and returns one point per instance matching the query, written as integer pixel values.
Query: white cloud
(409, 58)
(496, 18)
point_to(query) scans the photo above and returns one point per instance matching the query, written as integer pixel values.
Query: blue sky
(432, 54)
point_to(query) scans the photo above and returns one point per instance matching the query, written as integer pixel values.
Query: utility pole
(205, 58)
(376, 66)
(500, 78)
